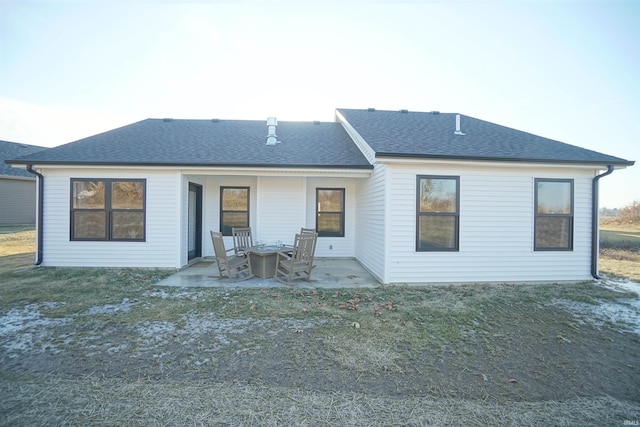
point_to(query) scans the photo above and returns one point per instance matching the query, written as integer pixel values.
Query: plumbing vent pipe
(458, 131)
(272, 138)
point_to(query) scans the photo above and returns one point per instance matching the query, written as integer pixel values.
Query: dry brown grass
(16, 240)
(618, 267)
(620, 249)
(55, 400)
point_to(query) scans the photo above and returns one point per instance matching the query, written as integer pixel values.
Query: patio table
(263, 259)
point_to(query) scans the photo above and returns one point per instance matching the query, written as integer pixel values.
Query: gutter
(39, 212)
(595, 244)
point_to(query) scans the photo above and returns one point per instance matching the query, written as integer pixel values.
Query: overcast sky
(567, 70)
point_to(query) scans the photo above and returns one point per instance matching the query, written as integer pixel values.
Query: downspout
(595, 244)
(39, 211)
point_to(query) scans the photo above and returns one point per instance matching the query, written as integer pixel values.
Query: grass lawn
(109, 347)
(620, 250)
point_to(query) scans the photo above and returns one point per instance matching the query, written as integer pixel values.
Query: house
(413, 196)
(17, 186)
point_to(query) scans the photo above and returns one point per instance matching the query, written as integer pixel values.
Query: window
(330, 212)
(234, 208)
(108, 209)
(554, 214)
(438, 213)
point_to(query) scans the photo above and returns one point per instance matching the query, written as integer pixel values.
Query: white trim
(228, 170)
(360, 142)
(488, 163)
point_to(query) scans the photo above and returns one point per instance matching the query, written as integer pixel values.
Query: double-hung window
(553, 214)
(438, 213)
(234, 208)
(330, 212)
(108, 209)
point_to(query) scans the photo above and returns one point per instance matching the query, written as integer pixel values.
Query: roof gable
(432, 135)
(212, 143)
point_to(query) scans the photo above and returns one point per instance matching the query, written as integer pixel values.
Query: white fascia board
(339, 173)
(368, 152)
(488, 163)
(224, 170)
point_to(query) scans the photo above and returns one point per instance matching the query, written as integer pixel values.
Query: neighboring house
(414, 197)
(17, 186)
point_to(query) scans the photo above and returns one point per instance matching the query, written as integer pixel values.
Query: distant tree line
(628, 214)
(609, 213)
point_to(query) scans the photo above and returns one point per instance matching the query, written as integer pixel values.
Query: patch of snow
(124, 307)
(24, 329)
(155, 294)
(620, 285)
(150, 329)
(154, 334)
(18, 319)
(117, 348)
(624, 312)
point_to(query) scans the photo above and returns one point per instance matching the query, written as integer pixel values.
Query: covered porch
(328, 273)
(275, 204)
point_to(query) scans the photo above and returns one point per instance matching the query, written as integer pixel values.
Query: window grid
(330, 222)
(233, 216)
(553, 228)
(105, 222)
(437, 230)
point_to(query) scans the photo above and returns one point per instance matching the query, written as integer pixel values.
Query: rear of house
(414, 197)
(457, 199)
(488, 234)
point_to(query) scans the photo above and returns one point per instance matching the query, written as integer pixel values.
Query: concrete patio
(328, 273)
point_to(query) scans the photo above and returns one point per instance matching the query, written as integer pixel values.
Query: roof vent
(404, 111)
(167, 119)
(316, 122)
(371, 110)
(435, 113)
(215, 120)
(458, 131)
(272, 138)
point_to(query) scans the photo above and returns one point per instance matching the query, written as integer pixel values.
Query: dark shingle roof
(429, 135)
(12, 150)
(211, 143)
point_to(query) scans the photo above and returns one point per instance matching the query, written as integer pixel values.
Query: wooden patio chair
(307, 230)
(298, 264)
(242, 240)
(233, 267)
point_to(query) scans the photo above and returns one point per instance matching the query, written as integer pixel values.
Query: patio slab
(328, 273)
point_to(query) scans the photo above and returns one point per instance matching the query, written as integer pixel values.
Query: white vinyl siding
(332, 247)
(496, 221)
(211, 207)
(371, 233)
(281, 205)
(496, 228)
(276, 207)
(160, 248)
